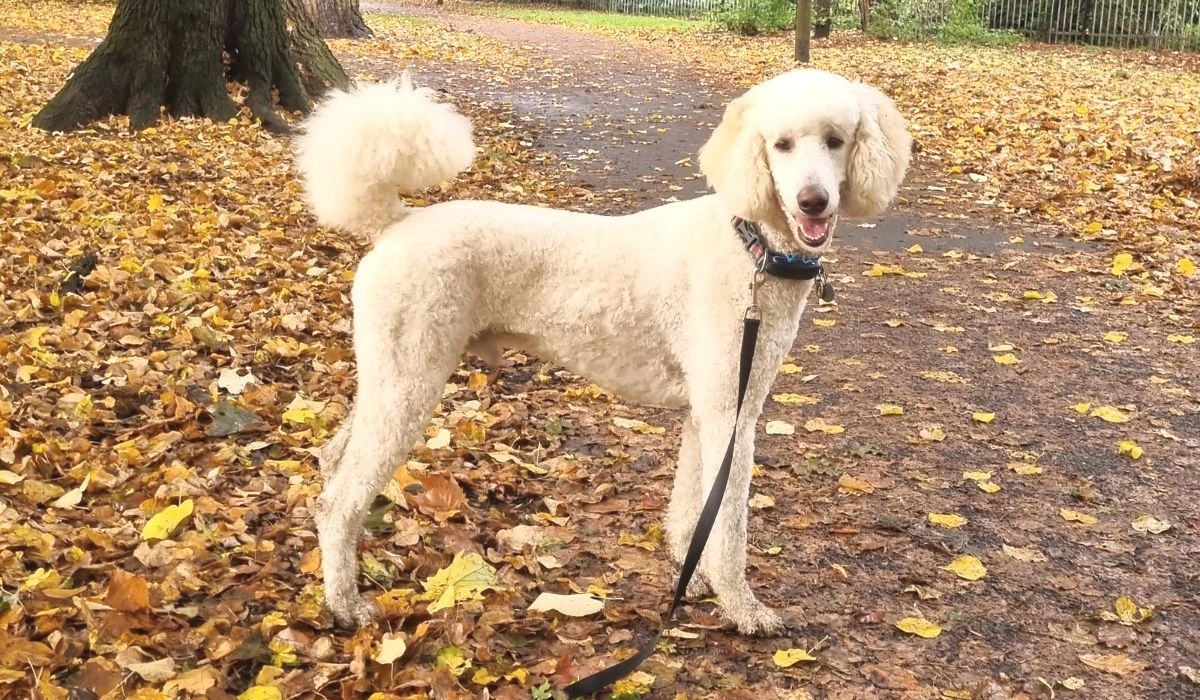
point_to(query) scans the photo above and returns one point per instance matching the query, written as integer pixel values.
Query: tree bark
(171, 53)
(338, 19)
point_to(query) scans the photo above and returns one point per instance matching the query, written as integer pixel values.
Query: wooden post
(803, 29)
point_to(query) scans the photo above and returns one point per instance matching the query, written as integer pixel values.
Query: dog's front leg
(724, 560)
(687, 500)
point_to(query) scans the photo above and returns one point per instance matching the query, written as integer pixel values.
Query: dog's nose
(812, 201)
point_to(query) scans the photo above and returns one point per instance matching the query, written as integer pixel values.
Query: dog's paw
(756, 619)
(698, 588)
(354, 612)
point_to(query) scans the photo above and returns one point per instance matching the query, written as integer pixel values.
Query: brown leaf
(127, 592)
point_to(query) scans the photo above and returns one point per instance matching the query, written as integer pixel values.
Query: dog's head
(804, 146)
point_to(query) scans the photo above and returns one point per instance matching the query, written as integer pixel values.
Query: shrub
(752, 17)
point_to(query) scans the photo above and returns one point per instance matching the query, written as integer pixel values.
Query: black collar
(782, 265)
(773, 262)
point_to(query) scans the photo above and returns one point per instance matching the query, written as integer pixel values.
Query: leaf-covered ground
(175, 335)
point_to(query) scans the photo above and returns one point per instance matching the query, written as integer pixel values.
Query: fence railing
(1156, 24)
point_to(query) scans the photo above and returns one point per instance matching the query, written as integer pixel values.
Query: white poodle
(648, 305)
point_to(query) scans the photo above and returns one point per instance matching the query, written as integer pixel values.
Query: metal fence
(1156, 24)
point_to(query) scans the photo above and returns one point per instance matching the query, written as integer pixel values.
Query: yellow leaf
(1024, 468)
(977, 476)
(790, 657)
(789, 368)
(919, 626)
(888, 409)
(453, 660)
(1128, 612)
(160, 526)
(1185, 267)
(1121, 263)
(983, 417)
(636, 685)
(391, 647)
(1074, 516)
(1181, 339)
(261, 692)
(1110, 414)
(1006, 359)
(1082, 408)
(988, 486)
(950, 520)
(916, 248)
(302, 415)
(154, 202)
(1115, 337)
(1131, 448)
(477, 381)
(968, 567)
(42, 578)
(466, 578)
(779, 427)
(794, 399)
(824, 322)
(1151, 524)
(1073, 683)
(818, 425)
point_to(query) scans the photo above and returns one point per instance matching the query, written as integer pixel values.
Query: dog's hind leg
(331, 452)
(402, 373)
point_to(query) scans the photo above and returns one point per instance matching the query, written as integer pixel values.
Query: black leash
(602, 679)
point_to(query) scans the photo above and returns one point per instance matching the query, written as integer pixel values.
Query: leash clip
(756, 279)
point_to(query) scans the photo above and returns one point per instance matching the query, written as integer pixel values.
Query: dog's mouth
(814, 230)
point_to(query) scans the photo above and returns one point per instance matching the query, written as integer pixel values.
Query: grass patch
(591, 20)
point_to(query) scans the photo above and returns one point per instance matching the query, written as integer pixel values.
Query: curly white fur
(648, 305)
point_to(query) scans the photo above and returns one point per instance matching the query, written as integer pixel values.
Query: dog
(648, 305)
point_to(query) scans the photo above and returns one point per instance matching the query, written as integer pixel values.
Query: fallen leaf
(778, 427)
(1072, 683)
(790, 368)
(572, 605)
(440, 440)
(784, 658)
(888, 409)
(932, 433)
(127, 592)
(1115, 337)
(988, 486)
(391, 647)
(72, 498)
(794, 399)
(1131, 448)
(1075, 516)
(1121, 264)
(977, 476)
(1185, 267)
(919, 626)
(983, 417)
(466, 578)
(1126, 611)
(235, 383)
(854, 485)
(1181, 339)
(1116, 664)
(760, 501)
(949, 520)
(967, 567)
(1110, 414)
(818, 425)
(1005, 359)
(163, 523)
(1151, 524)
(1082, 408)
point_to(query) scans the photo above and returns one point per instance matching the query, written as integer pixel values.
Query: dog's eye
(833, 142)
(783, 144)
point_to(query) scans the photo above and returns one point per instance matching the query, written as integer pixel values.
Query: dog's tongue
(814, 230)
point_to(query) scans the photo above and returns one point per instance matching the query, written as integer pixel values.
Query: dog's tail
(362, 147)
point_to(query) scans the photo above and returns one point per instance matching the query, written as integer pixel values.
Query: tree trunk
(170, 54)
(864, 15)
(338, 19)
(823, 19)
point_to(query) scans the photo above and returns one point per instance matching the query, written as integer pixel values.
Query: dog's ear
(734, 160)
(879, 155)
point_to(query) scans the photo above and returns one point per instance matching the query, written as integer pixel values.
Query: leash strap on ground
(600, 680)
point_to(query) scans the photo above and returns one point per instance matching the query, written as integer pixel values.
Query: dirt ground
(973, 364)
